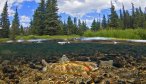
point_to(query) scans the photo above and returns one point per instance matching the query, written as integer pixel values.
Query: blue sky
(86, 10)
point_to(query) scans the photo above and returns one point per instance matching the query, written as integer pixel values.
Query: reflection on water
(138, 41)
(94, 38)
(110, 39)
(82, 39)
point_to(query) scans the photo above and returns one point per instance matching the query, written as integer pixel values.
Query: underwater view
(73, 62)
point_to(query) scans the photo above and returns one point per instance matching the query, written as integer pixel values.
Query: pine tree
(21, 30)
(79, 24)
(141, 18)
(38, 19)
(31, 29)
(128, 21)
(104, 23)
(48, 15)
(133, 22)
(70, 25)
(84, 26)
(75, 30)
(113, 17)
(15, 26)
(79, 28)
(5, 22)
(98, 25)
(94, 25)
(52, 18)
(124, 18)
(121, 18)
(65, 29)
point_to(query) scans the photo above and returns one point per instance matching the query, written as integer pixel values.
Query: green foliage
(52, 19)
(95, 25)
(22, 30)
(47, 37)
(46, 20)
(82, 28)
(113, 17)
(104, 23)
(15, 26)
(126, 20)
(37, 23)
(3, 40)
(70, 26)
(141, 33)
(5, 22)
(123, 34)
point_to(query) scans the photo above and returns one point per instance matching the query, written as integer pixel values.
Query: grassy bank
(41, 37)
(47, 37)
(121, 34)
(3, 39)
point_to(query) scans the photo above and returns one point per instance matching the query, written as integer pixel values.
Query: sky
(86, 10)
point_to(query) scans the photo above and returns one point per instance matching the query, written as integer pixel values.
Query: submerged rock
(67, 71)
(64, 59)
(106, 64)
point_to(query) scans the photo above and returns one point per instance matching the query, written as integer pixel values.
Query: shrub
(122, 34)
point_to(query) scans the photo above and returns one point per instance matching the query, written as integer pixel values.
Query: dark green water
(52, 49)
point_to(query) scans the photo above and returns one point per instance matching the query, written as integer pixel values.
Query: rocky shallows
(106, 69)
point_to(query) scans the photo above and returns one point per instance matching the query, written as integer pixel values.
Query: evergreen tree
(65, 29)
(70, 25)
(21, 30)
(128, 21)
(137, 17)
(79, 27)
(104, 23)
(84, 26)
(94, 25)
(113, 17)
(79, 23)
(108, 22)
(15, 26)
(31, 29)
(121, 15)
(52, 18)
(141, 18)
(75, 30)
(61, 28)
(121, 18)
(38, 19)
(75, 21)
(133, 19)
(124, 18)
(5, 22)
(98, 25)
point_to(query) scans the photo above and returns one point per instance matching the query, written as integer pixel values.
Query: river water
(75, 47)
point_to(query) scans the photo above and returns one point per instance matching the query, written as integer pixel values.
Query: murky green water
(55, 50)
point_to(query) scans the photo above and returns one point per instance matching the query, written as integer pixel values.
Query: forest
(46, 21)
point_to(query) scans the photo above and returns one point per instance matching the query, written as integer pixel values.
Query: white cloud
(79, 8)
(12, 3)
(82, 7)
(25, 20)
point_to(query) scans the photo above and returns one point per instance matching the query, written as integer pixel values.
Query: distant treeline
(46, 21)
(125, 20)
